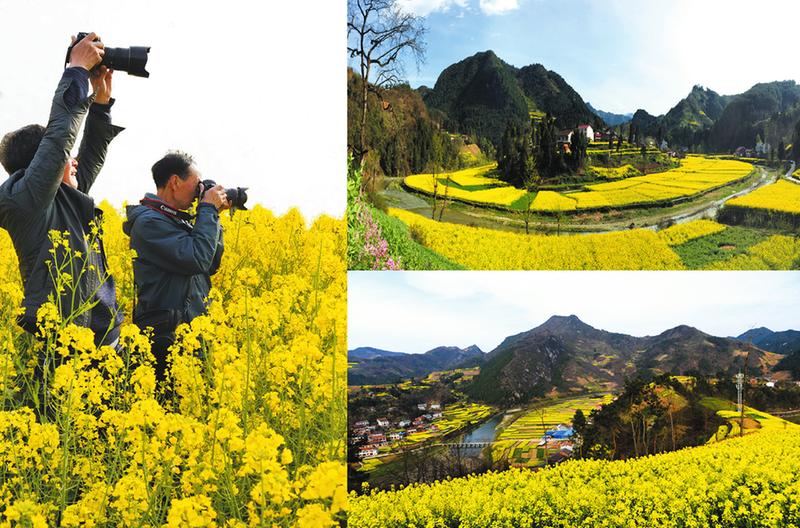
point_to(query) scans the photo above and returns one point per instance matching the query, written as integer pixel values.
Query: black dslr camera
(236, 197)
(131, 60)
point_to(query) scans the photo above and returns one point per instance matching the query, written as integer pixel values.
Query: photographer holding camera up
(176, 253)
(47, 190)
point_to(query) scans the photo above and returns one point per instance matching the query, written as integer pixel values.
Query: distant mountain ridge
(609, 118)
(565, 355)
(784, 342)
(375, 367)
(481, 94)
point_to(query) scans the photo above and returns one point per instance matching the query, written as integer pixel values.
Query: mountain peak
(564, 323)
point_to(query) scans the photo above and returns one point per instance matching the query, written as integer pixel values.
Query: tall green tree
(578, 145)
(796, 142)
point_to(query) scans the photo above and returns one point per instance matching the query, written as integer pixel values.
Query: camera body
(132, 60)
(236, 196)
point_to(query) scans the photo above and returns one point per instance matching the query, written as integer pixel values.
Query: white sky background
(417, 311)
(255, 91)
(621, 55)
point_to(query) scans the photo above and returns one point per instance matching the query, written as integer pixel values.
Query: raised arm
(37, 189)
(98, 132)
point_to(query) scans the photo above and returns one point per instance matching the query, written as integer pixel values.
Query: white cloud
(426, 7)
(498, 7)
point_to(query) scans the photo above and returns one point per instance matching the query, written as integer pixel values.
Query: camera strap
(157, 205)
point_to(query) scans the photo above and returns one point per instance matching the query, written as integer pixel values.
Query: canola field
(529, 425)
(682, 233)
(749, 481)
(782, 196)
(470, 186)
(635, 249)
(695, 175)
(252, 433)
(518, 442)
(754, 420)
(454, 417)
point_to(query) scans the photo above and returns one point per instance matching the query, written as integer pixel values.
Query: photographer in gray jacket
(176, 253)
(47, 190)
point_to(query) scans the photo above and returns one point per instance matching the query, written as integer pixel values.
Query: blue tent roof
(559, 433)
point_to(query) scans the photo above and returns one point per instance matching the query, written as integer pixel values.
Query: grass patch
(412, 254)
(718, 247)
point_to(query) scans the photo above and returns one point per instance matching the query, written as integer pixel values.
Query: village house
(362, 423)
(368, 452)
(422, 406)
(403, 423)
(377, 439)
(434, 405)
(357, 439)
(397, 435)
(436, 414)
(382, 422)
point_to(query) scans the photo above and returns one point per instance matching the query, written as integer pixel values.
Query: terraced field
(454, 418)
(695, 175)
(754, 420)
(478, 186)
(533, 423)
(701, 244)
(781, 196)
(518, 442)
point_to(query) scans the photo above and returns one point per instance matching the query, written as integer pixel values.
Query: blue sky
(620, 55)
(417, 311)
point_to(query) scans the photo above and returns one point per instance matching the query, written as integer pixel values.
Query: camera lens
(132, 60)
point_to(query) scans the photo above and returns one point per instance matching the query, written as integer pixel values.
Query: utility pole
(740, 379)
(739, 404)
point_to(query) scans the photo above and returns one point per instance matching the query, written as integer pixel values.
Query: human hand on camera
(216, 196)
(101, 84)
(87, 53)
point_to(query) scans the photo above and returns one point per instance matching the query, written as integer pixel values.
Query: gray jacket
(174, 260)
(34, 201)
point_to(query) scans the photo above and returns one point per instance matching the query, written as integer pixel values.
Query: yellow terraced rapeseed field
(782, 196)
(749, 481)
(680, 233)
(489, 249)
(778, 252)
(616, 172)
(695, 175)
(479, 248)
(254, 430)
(503, 194)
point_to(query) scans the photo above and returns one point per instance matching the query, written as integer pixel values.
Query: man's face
(185, 191)
(70, 173)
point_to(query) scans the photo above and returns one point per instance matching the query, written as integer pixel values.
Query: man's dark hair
(175, 162)
(17, 148)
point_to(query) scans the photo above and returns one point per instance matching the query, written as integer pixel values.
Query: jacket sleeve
(218, 255)
(175, 249)
(37, 189)
(97, 134)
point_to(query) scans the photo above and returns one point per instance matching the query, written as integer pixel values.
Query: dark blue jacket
(174, 260)
(34, 201)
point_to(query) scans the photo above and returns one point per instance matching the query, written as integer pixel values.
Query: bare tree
(445, 198)
(379, 33)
